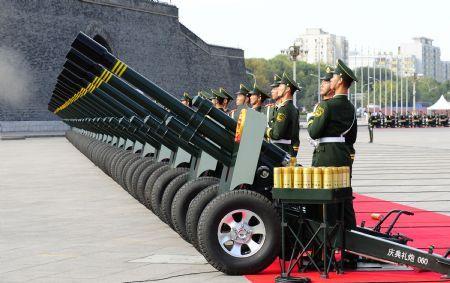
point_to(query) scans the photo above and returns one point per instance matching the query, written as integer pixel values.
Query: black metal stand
(323, 236)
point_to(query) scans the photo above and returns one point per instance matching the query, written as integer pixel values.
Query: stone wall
(35, 35)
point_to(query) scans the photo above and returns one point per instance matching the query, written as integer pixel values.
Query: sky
(263, 28)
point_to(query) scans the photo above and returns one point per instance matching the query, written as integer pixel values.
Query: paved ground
(63, 220)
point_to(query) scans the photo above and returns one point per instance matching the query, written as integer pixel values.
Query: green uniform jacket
(332, 118)
(285, 126)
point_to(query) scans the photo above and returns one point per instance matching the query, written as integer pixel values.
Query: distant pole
(414, 92)
(396, 86)
(356, 85)
(374, 77)
(392, 81)
(401, 86)
(362, 82)
(294, 51)
(379, 81)
(368, 83)
(318, 72)
(406, 93)
(385, 85)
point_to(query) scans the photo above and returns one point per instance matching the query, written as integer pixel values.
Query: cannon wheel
(150, 183)
(137, 173)
(195, 209)
(125, 168)
(160, 186)
(132, 170)
(140, 186)
(169, 193)
(239, 232)
(121, 164)
(183, 198)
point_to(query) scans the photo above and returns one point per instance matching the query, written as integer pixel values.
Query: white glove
(309, 116)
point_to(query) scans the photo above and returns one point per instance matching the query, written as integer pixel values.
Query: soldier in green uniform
(285, 127)
(326, 92)
(371, 125)
(241, 98)
(334, 124)
(186, 99)
(227, 100)
(271, 108)
(219, 99)
(257, 98)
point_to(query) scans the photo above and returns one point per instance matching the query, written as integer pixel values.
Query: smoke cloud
(15, 79)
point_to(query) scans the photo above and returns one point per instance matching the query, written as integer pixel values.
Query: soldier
(241, 98)
(285, 127)
(227, 100)
(402, 121)
(370, 125)
(257, 98)
(186, 99)
(408, 119)
(219, 99)
(388, 123)
(334, 124)
(271, 108)
(326, 92)
(443, 120)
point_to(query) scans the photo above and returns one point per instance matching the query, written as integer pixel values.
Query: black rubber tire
(117, 176)
(135, 177)
(108, 159)
(150, 184)
(126, 168)
(195, 209)
(106, 154)
(169, 194)
(117, 156)
(160, 186)
(130, 171)
(183, 198)
(209, 225)
(142, 180)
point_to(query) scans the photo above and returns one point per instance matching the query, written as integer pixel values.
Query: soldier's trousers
(371, 133)
(334, 154)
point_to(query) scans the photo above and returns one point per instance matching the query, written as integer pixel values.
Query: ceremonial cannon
(205, 175)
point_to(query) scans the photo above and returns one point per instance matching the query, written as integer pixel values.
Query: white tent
(441, 104)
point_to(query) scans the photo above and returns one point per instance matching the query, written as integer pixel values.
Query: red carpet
(425, 227)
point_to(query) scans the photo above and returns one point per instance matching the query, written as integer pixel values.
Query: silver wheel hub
(241, 233)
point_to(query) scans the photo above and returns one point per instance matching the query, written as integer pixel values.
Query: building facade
(321, 46)
(35, 36)
(427, 56)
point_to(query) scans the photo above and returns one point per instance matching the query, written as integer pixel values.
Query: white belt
(282, 141)
(331, 139)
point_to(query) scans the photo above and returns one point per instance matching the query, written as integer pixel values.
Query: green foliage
(428, 90)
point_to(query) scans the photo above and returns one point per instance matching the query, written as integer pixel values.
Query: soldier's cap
(345, 72)
(329, 72)
(256, 90)
(218, 94)
(205, 95)
(276, 80)
(186, 97)
(242, 90)
(288, 82)
(225, 93)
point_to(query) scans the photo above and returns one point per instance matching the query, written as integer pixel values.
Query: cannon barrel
(206, 126)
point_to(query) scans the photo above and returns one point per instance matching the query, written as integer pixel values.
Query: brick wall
(35, 35)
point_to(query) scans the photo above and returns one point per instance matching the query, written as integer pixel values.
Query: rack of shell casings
(297, 177)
